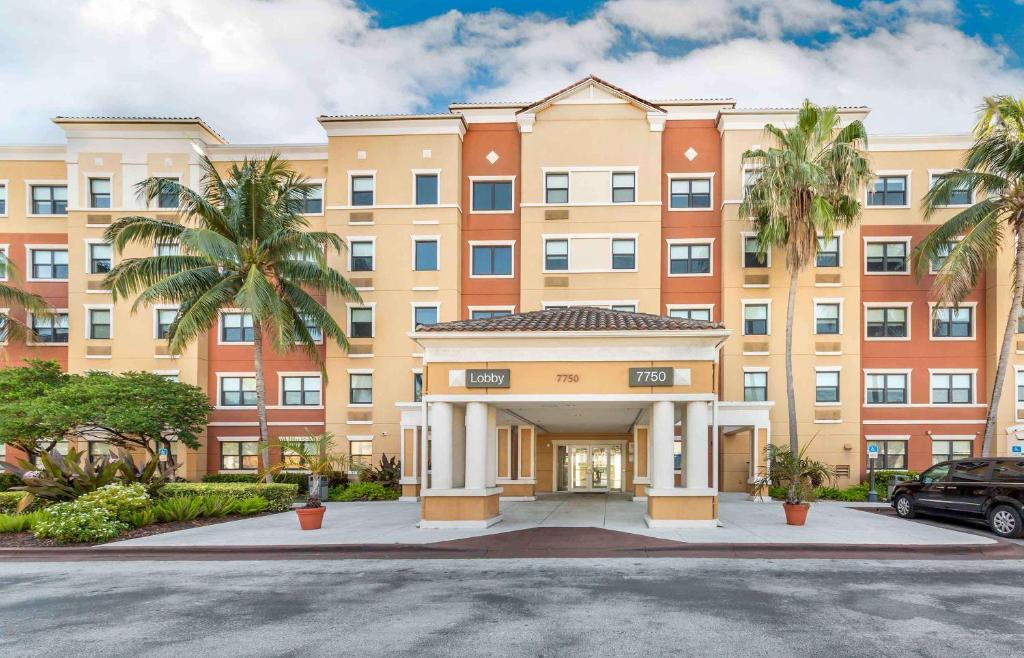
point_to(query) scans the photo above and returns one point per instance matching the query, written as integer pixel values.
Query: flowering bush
(78, 521)
(121, 501)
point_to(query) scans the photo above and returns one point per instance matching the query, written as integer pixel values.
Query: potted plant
(316, 455)
(800, 476)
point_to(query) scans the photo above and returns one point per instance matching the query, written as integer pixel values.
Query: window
(424, 315)
(690, 193)
(945, 450)
(677, 456)
(99, 192)
(828, 252)
(492, 196)
(941, 254)
(100, 256)
(1003, 471)
(487, 314)
(3, 327)
(49, 199)
(826, 318)
(312, 328)
(492, 260)
(886, 256)
(556, 188)
(361, 322)
(361, 453)
(300, 391)
(755, 386)
(625, 308)
(49, 263)
(623, 187)
(970, 471)
(164, 319)
(961, 194)
(238, 391)
(3, 199)
(750, 178)
(417, 387)
(99, 323)
(892, 454)
(235, 328)
(624, 254)
(826, 386)
(953, 323)
(425, 256)
(755, 319)
(361, 254)
(690, 313)
(888, 191)
(886, 388)
(360, 388)
(4, 258)
(50, 330)
(689, 259)
(556, 255)
(239, 455)
(952, 388)
(752, 256)
(167, 198)
(426, 189)
(886, 322)
(292, 459)
(362, 190)
(97, 450)
(168, 249)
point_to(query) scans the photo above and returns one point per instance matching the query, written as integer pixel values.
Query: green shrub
(8, 480)
(777, 492)
(18, 522)
(119, 500)
(178, 508)
(77, 521)
(9, 501)
(279, 497)
(301, 480)
(217, 506)
(142, 518)
(252, 505)
(364, 491)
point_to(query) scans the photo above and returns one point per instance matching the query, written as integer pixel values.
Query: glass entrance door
(595, 468)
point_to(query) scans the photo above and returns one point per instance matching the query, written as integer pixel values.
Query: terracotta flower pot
(796, 513)
(311, 518)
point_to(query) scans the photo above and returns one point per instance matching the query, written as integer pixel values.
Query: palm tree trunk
(261, 395)
(794, 439)
(1009, 334)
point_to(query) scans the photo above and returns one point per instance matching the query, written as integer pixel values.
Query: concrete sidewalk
(743, 522)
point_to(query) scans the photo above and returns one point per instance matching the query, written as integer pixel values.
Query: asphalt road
(513, 608)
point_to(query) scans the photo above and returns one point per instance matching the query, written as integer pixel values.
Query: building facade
(589, 197)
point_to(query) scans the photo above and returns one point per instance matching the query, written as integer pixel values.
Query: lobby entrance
(591, 468)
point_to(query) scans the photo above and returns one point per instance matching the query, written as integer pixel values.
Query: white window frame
(511, 308)
(743, 253)
(372, 239)
(935, 173)
(415, 305)
(691, 307)
(29, 248)
(611, 185)
(169, 307)
(690, 176)
(886, 239)
(220, 326)
(414, 173)
(930, 261)
(5, 185)
(322, 182)
(56, 311)
(4, 331)
(827, 301)
(154, 203)
(89, 308)
(1017, 404)
(599, 303)
(905, 438)
(951, 437)
(744, 303)
(437, 240)
(348, 387)
(373, 319)
(280, 390)
(89, 242)
(838, 236)
(174, 243)
(934, 306)
(910, 323)
(907, 372)
(29, 184)
(492, 243)
(357, 173)
(838, 370)
(569, 237)
(973, 372)
(220, 389)
(670, 242)
(493, 179)
(908, 173)
(89, 178)
(5, 265)
(751, 370)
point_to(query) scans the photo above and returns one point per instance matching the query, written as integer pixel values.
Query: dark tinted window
(970, 471)
(935, 474)
(1008, 471)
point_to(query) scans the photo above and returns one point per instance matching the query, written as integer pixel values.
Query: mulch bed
(26, 540)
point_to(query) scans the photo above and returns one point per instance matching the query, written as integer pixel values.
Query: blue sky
(263, 70)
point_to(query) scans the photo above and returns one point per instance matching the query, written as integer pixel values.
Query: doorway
(590, 468)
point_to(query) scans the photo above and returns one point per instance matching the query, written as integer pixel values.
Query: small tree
(24, 391)
(316, 455)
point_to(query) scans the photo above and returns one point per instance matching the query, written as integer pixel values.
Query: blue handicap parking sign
(872, 448)
(1017, 449)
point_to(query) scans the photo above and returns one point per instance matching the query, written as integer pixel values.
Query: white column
(697, 445)
(477, 437)
(662, 436)
(441, 445)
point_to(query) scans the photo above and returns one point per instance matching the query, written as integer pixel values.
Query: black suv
(989, 490)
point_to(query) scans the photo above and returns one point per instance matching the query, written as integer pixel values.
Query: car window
(970, 471)
(1008, 471)
(935, 473)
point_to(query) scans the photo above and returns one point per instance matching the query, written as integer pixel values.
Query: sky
(263, 70)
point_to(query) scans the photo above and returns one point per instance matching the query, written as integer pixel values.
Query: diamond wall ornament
(690, 154)
(427, 153)
(492, 157)
(360, 155)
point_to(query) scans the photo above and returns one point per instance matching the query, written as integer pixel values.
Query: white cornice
(950, 142)
(397, 125)
(291, 152)
(55, 152)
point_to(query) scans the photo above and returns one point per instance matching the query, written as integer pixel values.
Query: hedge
(9, 501)
(8, 480)
(279, 497)
(299, 479)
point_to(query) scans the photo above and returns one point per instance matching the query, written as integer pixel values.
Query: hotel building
(463, 226)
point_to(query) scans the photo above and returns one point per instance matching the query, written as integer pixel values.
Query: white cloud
(261, 70)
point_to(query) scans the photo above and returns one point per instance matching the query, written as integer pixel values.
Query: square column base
(410, 493)
(516, 491)
(682, 508)
(460, 508)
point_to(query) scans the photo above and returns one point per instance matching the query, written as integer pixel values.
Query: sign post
(872, 456)
(163, 454)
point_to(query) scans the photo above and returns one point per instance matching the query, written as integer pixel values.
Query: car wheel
(1005, 521)
(905, 507)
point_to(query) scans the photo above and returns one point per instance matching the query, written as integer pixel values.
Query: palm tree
(12, 297)
(993, 172)
(806, 185)
(244, 244)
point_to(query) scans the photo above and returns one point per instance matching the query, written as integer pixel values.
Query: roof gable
(591, 89)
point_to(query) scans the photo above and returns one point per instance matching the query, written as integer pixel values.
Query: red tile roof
(575, 318)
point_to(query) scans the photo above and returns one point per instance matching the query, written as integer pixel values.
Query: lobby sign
(651, 377)
(489, 378)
